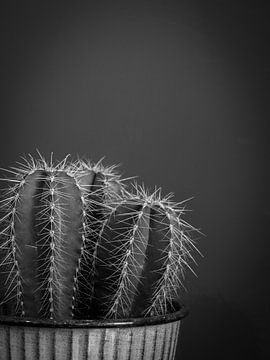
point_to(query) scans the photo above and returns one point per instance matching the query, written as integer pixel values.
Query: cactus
(143, 252)
(50, 217)
(75, 243)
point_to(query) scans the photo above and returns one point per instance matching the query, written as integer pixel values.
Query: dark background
(178, 93)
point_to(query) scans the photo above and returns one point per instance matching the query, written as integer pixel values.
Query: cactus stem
(164, 286)
(176, 259)
(84, 253)
(11, 248)
(52, 245)
(122, 299)
(49, 242)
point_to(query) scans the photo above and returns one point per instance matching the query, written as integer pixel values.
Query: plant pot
(129, 339)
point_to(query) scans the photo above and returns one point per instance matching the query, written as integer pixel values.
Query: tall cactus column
(51, 217)
(43, 244)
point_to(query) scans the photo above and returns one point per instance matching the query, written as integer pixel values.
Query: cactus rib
(10, 248)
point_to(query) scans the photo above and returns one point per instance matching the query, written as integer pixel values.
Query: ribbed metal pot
(152, 338)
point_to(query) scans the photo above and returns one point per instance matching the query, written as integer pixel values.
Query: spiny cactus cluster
(74, 242)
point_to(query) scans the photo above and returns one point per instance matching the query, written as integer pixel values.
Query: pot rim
(181, 312)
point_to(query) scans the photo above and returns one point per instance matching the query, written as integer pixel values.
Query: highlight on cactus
(76, 243)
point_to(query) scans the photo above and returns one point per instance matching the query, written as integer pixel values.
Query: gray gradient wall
(177, 92)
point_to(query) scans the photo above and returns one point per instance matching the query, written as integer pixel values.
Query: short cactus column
(140, 257)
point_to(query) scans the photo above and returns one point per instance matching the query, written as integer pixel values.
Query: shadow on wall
(215, 329)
